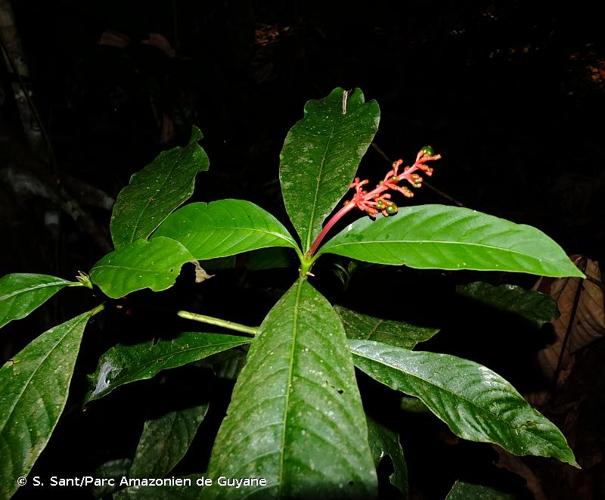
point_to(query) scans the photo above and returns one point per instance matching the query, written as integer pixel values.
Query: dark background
(510, 93)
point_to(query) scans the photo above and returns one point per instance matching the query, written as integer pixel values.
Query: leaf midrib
(282, 453)
(128, 268)
(148, 202)
(317, 185)
(328, 247)
(26, 385)
(140, 373)
(482, 410)
(32, 288)
(281, 236)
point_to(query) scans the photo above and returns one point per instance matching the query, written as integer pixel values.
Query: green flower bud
(428, 150)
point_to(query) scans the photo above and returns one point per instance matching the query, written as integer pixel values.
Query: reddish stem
(333, 220)
(367, 200)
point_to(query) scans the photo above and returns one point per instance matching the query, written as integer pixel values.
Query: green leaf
(123, 364)
(295, 416)
(533, 306)
(397, 333)
(223, 228)
(165, 440)
(33, 391)
(20, 294)
(476, 403)
(151, 264)
(467, 491)
(320, 156)
(385, 443)
(442, 237)
(155, 191)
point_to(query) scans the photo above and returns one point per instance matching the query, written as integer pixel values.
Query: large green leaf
(397, 333)
(223, 228)
(467, 491)
(476, 403)
(151, 264)
(533, 306)
(165, 440)
(295, 417)
(442, 237)
(320, 156)
(33, 391)
(385, 443)
(123, 364)
(155, 191)
(20, 294)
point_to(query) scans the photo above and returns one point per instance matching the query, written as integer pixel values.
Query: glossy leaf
(442, 237)
(165, 440)
(320, 156)
(225, 227)
(397, 333)
(467, 491)
(151, 264)
(476, 403)
(533, 306)
(155, 191)
(123, 364)
(20, 294)
(295, 416)
(385, 443)
(33, 390)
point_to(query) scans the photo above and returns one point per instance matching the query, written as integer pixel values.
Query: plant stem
(97, 309)
(202, 318)
(333, 220)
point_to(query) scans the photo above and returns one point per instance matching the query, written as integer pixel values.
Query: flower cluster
(379, 199)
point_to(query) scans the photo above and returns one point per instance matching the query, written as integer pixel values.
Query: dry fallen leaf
(582, 320)
(200, 273)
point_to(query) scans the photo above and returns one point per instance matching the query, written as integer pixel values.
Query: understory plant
(295, 426)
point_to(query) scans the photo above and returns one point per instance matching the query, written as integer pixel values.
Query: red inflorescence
(379, 200)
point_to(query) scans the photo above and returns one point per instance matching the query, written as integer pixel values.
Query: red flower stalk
(378, 200)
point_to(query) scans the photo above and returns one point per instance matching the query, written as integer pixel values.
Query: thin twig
(202, 318)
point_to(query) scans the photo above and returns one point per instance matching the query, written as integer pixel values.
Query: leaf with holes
(124, 364)
(442, 237)
(295, 416)
(33, 391)
(397, 333)
(165, 440)
(158, 189)
(20, 294)
(223, 228)
(476, 403)
(151, 264)
(321, 154)
(385, 443)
